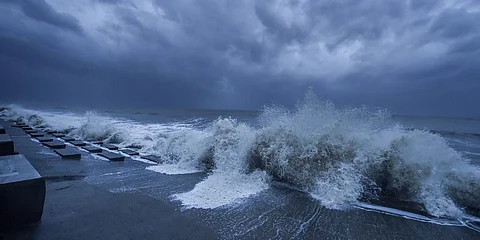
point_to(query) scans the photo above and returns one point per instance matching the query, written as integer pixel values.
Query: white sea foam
(222, 189)
(337, 155)
(408, 215)
(173, 169)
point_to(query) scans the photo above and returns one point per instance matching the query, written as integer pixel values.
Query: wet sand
(92, 198)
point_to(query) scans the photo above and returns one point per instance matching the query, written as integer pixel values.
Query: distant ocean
(343, 158)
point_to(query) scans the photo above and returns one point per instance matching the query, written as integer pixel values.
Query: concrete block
(153, 158)
(19, 125)
(22, 192)
(31, 131)
(44, 139)
(6, 145)
(78, 143)
(110, 147)
(69, 152)
(97, 143)
(58, 135)
(129, 152)
(51, 131)
(2, 130)
(112, 156)
(37, 134)
(55, 144)
(68, 139)
(27, 128)
(92, 149)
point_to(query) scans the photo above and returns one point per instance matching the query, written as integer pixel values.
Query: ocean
(420, 168)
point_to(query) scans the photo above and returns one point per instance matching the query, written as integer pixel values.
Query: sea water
(342, 157)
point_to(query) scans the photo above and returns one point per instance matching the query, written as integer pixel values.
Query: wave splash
(338, 156)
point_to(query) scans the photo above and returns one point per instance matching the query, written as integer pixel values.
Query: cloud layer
(413, 57)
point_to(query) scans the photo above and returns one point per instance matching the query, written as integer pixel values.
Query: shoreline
(90, 198)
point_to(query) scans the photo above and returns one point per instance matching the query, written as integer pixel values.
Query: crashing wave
(339, 156)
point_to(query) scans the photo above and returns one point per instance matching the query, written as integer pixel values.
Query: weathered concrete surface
(110, 147)
(129, 152)
(37, 134)
(97, 142)
(58, 135)
(22, 192)
(78, 143)
(19, 125)
(152, 158)
(112, 156)
(68, 139)
(68, 152)
(44, 139)
(6, 145)
(55, 144)
(92, 149)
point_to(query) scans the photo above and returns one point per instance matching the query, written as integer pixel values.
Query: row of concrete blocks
(41, 136)
(69, 152)
(22, 189)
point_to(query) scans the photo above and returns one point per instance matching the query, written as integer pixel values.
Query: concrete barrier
(6, 145)
(68, 139)
(112, 156)
(110, 147)
(97, 143)
(92, 149)
(44, 139)
(19, 125)
(22, 192)
(68, 152)
(37, 134)
(55, 144)
(129, 152)
(78, 143)
(152, 158)
(58, 135)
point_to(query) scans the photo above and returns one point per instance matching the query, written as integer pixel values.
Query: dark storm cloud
(42, 11)
(418, 57)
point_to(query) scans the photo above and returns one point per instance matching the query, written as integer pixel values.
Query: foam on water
(173, 169)
(339, 156)
(408, 215)
(228, 143)
(221, 189)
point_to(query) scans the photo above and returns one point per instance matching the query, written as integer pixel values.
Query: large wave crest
(338, 156)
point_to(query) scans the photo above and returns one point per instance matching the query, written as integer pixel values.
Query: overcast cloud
(412, 57)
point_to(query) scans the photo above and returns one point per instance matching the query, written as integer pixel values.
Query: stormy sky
(418, 57)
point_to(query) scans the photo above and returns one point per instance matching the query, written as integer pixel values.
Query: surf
(344, 158)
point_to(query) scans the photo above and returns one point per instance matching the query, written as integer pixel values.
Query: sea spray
(230, 143)
(97, 127)
(181, 151)
(338, 156)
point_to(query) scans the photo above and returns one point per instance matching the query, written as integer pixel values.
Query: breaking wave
(339, 156)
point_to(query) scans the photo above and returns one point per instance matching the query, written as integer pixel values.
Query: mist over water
(341, 157)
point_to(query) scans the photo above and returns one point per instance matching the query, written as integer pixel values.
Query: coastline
(90, 198)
